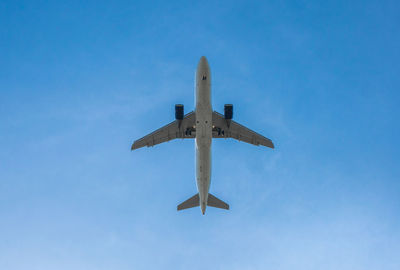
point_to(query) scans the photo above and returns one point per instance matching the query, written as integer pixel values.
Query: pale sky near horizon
(79, 81)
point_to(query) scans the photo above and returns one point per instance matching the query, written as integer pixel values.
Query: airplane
(203, 124)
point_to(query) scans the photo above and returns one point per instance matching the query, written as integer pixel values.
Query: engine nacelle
(178, 111)
(228, 111)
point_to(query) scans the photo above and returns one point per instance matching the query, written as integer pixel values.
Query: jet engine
(228, 111)
(178, 111)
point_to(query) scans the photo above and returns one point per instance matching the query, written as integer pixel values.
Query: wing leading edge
(223, 128)
(183, 129)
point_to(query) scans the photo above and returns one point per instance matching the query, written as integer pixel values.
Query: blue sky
(79, 81)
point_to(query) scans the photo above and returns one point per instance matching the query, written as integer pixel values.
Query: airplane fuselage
(203, 131)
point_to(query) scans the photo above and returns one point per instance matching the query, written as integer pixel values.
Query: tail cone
(203, 208)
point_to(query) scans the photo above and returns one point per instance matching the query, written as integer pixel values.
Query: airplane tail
(195, 201)
(215, 202)
(189, 203)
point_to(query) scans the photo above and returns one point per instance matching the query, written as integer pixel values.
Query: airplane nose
(203, 71)
(203, 63)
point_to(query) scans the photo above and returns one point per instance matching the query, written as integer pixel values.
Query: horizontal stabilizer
(215, 202)
(189, 203)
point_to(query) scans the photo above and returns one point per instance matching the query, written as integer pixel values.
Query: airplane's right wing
(223, 128)
(183, 129)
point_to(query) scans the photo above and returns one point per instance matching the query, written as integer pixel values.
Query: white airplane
(203, 124)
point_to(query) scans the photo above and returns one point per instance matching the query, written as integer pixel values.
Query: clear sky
(80, 80)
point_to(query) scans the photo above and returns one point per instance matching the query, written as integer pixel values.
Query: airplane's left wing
(183, 129)
(223, 128)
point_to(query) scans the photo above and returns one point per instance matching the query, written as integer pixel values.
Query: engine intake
(178, 111)
(228, 111)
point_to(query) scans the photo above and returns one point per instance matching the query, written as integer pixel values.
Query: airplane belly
(203, 152)
(203, 132)
(203, 168)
